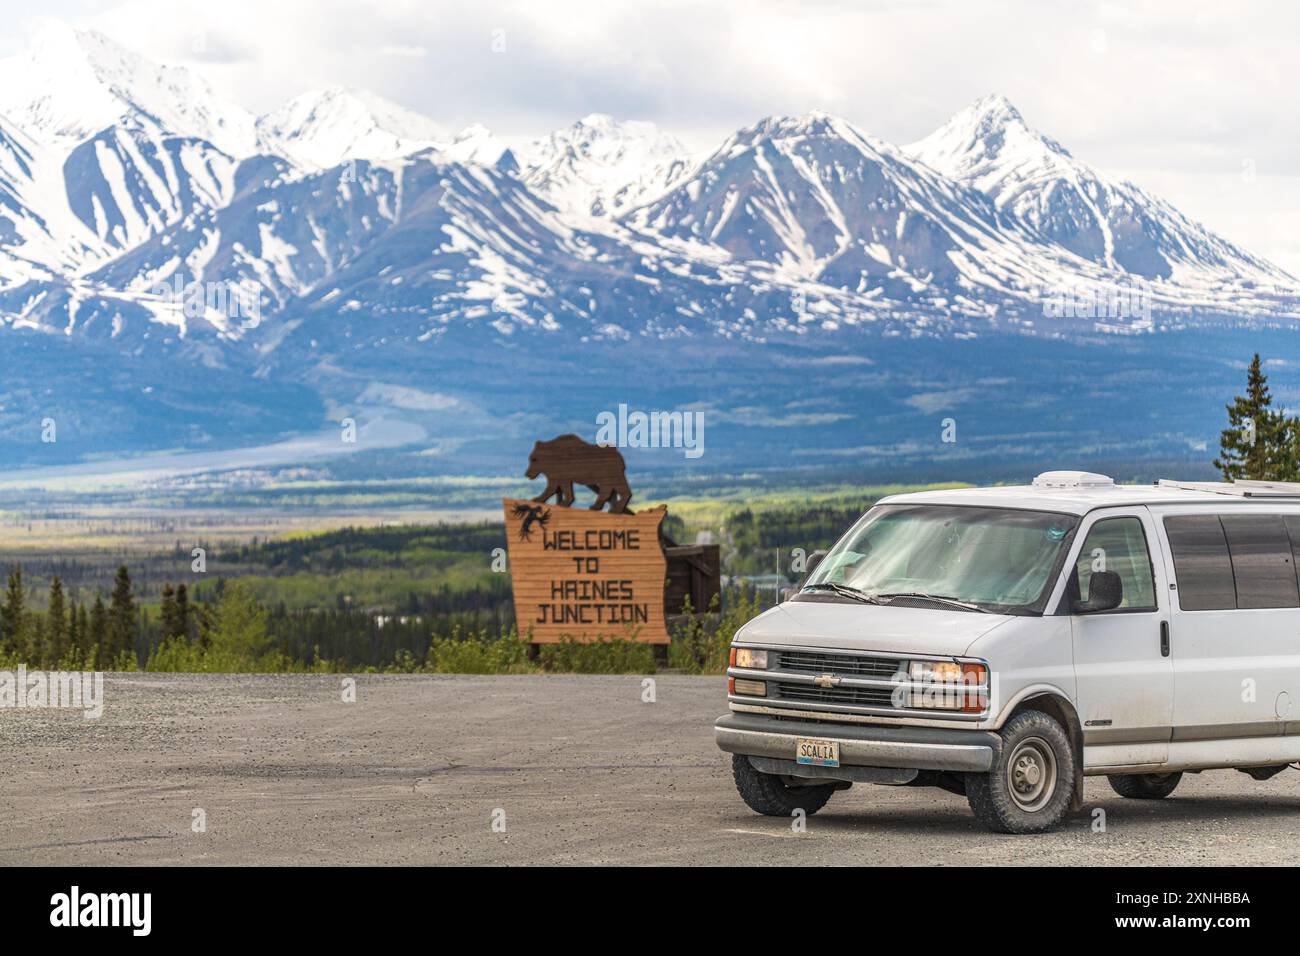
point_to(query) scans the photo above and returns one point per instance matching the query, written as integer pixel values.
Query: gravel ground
(583, 771)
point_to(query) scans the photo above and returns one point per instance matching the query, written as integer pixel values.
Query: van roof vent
(1072, 479)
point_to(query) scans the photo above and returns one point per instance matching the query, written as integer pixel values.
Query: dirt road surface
(579, 769)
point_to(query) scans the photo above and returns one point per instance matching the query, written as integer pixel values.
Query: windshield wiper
(844, 590)
(921, 595)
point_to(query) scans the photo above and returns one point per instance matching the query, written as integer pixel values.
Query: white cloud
(415, 51)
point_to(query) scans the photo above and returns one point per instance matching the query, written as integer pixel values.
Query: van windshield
(994, 558)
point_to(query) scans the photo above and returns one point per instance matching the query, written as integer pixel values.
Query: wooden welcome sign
(592, 574)
(586, 574)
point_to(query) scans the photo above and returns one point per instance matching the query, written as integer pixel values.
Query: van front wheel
(767, 794)
(1144, 786)
(1031, 782)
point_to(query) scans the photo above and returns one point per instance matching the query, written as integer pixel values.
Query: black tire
(1144, 786)
(765, 793)
(1036, 753)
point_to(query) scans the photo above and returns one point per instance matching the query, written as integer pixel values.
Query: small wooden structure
(695, 572)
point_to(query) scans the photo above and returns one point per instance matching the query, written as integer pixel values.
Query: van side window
(1202, 564)
(1261, 560)
(1119, 545)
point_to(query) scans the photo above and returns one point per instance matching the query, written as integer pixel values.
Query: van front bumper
(912, 748)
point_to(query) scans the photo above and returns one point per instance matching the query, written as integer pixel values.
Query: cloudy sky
(1192, 100)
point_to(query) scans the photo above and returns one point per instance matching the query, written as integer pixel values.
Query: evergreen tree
(183, 611)
(77, 629)
(97, 635)
(205, 619)
(56, 622)
(168, 613)
(13, 615)
(239, 627)
(121, 617)
(1257, 442)
(37, 653)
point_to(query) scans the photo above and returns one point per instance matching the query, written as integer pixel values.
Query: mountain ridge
(343, 237)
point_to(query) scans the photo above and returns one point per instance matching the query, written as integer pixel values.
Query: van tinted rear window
(1261, 560)
(1202, 563)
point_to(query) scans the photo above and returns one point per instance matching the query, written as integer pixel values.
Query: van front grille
(856, 696)
(843, 665)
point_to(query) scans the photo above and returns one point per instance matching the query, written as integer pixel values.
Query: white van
(1003, 643)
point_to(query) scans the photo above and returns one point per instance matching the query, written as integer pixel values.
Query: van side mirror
(1105, 593)
(809, 567)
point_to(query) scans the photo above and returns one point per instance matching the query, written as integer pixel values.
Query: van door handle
(1164, 638)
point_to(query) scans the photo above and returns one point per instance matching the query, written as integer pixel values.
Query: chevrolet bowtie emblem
(826, 680)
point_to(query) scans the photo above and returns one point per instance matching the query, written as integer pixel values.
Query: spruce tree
(77, 630)
(83, 631)
(168, 613)
(1257, 442)
(56, 622)
(97, 636)
(13, 615)
(37, 653)
(121, 617)
(183, 611)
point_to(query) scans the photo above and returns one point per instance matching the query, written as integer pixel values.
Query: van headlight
(944, 685)
(748, 658)
(934, 671)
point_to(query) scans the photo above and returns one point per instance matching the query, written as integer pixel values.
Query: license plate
(818, 753)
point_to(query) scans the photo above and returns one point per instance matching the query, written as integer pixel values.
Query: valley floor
(282, 771)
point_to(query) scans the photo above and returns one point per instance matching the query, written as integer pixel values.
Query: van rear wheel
(1144, 786)
(767, 794)
(1031, 782)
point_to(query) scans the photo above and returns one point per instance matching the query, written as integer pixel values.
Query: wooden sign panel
(586, 574)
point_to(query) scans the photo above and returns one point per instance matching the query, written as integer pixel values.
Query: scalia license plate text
(818, 753)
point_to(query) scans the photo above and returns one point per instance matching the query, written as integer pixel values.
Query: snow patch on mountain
(477, 144)
(322, 128)
(600, 166)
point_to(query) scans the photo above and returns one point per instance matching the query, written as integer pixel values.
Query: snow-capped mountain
(323, 128)
(116, 147)
(601, 167)
(132, 180)
(813, 198)
(355, 234)
(477, 144)
(71, 84)
(989, 146)
(283, 233)
(40, 234)
(20, 224)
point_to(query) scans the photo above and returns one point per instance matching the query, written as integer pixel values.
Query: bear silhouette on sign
(568, 460)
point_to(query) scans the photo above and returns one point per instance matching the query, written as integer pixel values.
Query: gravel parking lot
(578, 768)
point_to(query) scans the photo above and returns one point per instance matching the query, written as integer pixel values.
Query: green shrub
(605, 656)
(702, 643)
(479, 654)
(176, 655)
